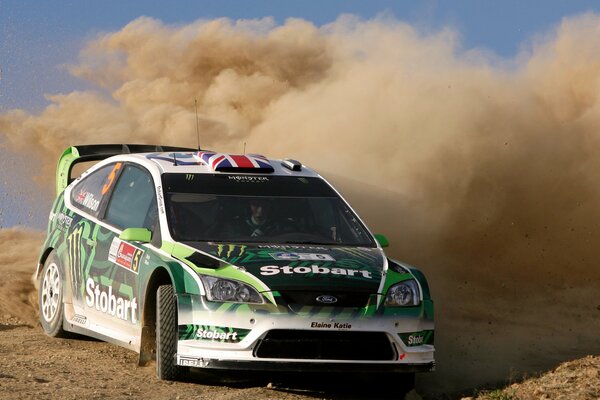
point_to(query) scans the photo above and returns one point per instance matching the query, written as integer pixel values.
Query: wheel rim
(50, 292)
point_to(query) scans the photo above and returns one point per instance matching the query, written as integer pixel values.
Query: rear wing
(96, 152)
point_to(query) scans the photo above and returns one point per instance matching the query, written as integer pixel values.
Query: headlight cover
(219, 289)
(403, 294)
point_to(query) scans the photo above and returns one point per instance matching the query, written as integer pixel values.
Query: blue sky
(37, 38)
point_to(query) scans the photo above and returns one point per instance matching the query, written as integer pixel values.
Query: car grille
(325, 345)
(344, 299)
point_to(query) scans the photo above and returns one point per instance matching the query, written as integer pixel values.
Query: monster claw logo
(231, 250)
(74, 254)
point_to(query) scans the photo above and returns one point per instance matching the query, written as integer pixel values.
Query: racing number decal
(111, 178)
(135, 265)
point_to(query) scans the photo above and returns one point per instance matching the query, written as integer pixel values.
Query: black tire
(50, 297)
(166, 334)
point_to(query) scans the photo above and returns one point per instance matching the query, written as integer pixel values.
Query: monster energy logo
(230, 250)
(74, 248)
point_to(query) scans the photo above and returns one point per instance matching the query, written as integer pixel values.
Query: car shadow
(318, 385)
(7, 327)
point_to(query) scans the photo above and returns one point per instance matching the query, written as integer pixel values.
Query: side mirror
(382, 240)
(136, 235)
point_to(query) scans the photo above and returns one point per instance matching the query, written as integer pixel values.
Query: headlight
(218, 289)
(403, 294)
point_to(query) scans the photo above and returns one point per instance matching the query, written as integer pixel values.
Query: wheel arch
(160, 276)
(420, 276)
(42, 260)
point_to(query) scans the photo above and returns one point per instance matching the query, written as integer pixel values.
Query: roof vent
(292, 164)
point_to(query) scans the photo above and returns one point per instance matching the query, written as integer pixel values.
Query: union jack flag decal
(232, 162)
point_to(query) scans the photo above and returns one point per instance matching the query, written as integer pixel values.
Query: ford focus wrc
(210, 260)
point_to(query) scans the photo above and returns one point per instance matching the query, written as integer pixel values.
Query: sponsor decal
(326, 299)
(330, 325)
(125, 255)
(212, 333)
(301, 256)
(103, 300)
(74, 256)
(244, 178)
(161, 201)
(289, 246)
(79, 319)
(64, 220)
(87, 200)
(192, 362)
(216, 335)
(230, 250)
(417, 338)
(314, 269)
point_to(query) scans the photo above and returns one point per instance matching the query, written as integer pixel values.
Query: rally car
(209, 260)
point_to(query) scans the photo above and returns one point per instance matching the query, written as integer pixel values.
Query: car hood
(304, 267)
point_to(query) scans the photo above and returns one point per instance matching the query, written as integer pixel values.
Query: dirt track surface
(36, 366)
(574, 380)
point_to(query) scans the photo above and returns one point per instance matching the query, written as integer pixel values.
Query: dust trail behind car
(18, 251)
(482, 171)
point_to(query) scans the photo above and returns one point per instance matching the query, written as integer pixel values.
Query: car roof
(220, 163)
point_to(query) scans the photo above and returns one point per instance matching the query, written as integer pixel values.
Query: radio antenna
(244, 148)
(197, 127)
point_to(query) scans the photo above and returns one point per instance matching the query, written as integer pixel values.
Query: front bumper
(281, 338)
(298, 366)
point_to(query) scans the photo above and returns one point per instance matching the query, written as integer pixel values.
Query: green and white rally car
(211, 260)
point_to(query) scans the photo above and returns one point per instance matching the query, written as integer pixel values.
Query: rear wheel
(51, 297)
(166, 334)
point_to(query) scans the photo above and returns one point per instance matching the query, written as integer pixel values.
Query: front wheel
(51, 297)
(166, 334)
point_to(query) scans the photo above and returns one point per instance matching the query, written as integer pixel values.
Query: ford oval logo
(327, 299)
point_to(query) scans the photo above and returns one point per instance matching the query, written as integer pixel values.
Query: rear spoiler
(96, 152)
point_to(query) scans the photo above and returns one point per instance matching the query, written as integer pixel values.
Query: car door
(111, 281)
(87, 199)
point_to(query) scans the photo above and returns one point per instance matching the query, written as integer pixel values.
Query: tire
(50, 297)
(166, 334)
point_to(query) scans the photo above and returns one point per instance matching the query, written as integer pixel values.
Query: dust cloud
(18, 250)
(482, 171)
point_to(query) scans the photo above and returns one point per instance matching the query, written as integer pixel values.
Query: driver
(259, 221)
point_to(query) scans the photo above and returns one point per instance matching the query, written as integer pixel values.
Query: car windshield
(259, 208)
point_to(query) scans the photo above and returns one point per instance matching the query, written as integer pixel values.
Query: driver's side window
(133, 201)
